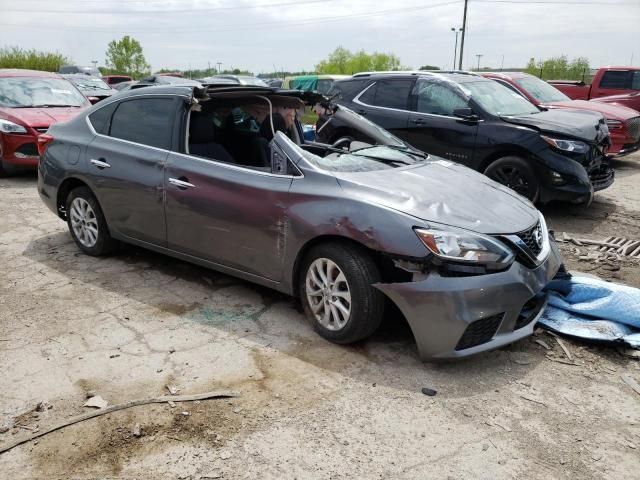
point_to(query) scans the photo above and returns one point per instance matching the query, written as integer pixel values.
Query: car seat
(202, 136)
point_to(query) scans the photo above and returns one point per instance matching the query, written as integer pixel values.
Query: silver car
(222, 177)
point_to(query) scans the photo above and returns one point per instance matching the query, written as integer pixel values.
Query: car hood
(615, 98)
(611, 112)
(41, 117)
(425, 191)
(580, 124)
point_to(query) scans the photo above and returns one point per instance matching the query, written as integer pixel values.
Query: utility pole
(464, 31)
(479, 55)
(219, 63)
(455, 49)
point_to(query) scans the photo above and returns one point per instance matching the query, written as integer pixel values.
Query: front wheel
(517, 174)
(336, 288)
(86, 222)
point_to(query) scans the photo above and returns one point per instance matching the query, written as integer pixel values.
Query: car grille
(479, 332)
(532, 238)
(529, 312)
(633, 126)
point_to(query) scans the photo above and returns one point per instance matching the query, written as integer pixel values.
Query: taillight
(43, 142)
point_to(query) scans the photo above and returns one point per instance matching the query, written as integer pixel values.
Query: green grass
(309, 116)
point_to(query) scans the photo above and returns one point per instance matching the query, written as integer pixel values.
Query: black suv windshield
(541, 90)
(497, 99)
(25, 92)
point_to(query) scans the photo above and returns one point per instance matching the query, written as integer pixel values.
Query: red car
(623, 122)
(30, 101)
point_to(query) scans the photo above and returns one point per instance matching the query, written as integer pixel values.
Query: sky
(273, 35)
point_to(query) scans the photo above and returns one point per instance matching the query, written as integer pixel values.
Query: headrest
(201, 128)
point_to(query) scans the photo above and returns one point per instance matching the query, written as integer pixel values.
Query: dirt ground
(127, 326)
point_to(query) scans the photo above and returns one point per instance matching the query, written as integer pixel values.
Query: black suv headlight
(573, 146)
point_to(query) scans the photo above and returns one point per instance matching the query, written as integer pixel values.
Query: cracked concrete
(126, 326)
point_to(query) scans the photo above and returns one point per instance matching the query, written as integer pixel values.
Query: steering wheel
(342, 142)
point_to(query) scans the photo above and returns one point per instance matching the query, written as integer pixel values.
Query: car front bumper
(19, 151)
(455, 317)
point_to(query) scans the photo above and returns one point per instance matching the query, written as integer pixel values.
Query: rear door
(432, 126)
(126, 161)
(386, 103)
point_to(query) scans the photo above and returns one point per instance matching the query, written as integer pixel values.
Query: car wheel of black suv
(517, 174)
(337, 294)
(86, 222)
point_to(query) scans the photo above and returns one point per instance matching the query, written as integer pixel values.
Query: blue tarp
(593, 309)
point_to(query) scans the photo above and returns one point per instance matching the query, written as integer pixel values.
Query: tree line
(126, 56)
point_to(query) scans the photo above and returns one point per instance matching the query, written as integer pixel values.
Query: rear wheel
(86, 222)
(517, 174)
(336, 288)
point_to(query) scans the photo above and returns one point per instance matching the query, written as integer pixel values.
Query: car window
(101, 118)
(615, 79)
(393, 94)
(541, 90)
(635, 80)
(496, 99)
(436, 98)
(148, 121)
(324, 85)
(369, 96)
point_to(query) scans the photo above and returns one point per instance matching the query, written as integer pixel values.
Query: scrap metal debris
(631, 382)
(96, 402)
(115, 408)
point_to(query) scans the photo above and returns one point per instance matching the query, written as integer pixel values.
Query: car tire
(346, 307)
(517, 174)
(86, 223)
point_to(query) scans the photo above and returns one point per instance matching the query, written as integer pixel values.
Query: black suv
(548, 155)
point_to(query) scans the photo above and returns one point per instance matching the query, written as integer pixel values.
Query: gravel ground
(127, 326)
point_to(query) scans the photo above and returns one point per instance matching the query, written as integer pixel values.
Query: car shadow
(270, 319)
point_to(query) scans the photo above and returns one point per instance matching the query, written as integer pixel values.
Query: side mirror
(465, 114)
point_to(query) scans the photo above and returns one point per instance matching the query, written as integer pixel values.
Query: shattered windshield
(541, 90)
(497, 99)
(367, 159)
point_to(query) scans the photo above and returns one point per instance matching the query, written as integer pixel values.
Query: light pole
(455, 49)
(464, 32)
(219, 64)
(479, 55)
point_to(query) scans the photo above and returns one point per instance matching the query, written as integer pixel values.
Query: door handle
(100, 163)
(361, 112)
(181, 183)
(418, 121)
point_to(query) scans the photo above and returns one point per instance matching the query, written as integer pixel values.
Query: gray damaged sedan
(221, 177)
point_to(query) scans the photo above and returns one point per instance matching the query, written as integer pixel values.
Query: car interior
(238, 129)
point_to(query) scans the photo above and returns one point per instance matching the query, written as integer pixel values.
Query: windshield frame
(68, 85)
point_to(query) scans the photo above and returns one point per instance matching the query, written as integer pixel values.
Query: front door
(227, 214)
(432, 126)
(126, 162)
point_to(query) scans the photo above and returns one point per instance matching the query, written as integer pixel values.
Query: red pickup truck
(617, 85)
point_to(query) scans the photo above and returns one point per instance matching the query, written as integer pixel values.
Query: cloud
(299, 35)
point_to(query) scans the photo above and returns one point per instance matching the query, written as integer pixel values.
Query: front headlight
(463, 246)
(572, 146)
(9, 127)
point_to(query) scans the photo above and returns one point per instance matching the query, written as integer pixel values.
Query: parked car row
(220, 174)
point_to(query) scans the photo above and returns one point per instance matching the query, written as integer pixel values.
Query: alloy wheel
(514, 179)
(84, 222)
(328, 294)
